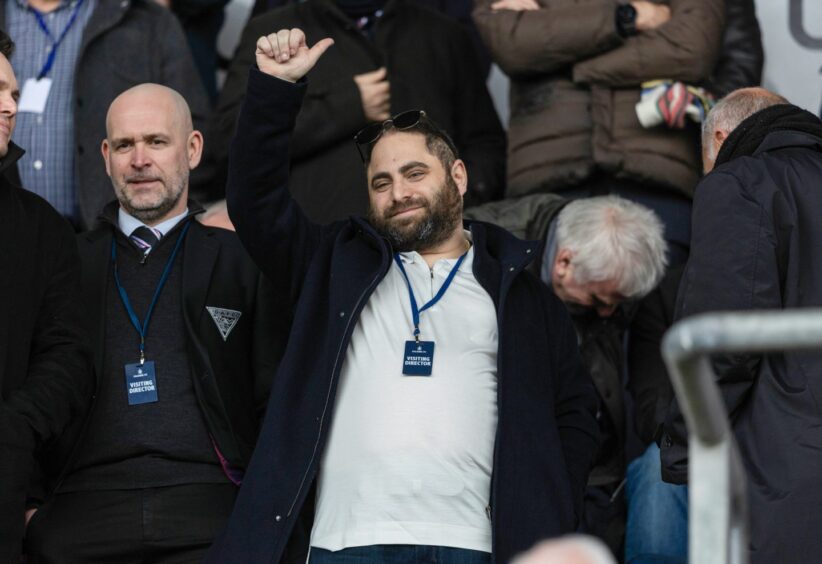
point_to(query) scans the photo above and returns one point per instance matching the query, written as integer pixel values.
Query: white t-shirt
(409, 458)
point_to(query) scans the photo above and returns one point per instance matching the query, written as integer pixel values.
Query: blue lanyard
(416, 311)
(55, 43)
(142, 328)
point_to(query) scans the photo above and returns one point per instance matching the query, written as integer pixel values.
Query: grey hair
(613, 238)
(735, 108)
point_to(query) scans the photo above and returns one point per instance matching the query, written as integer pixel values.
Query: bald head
(150, 149)
(157, 98)
(726, 116)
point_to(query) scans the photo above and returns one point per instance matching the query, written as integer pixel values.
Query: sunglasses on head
(371, 133)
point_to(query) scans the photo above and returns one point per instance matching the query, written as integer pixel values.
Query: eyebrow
(403, 169)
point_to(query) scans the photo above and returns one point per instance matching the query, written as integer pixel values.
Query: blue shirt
(47, 168)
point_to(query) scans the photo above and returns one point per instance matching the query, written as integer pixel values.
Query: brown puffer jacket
(575, 82)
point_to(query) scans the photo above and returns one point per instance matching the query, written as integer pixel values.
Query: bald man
(757, 228)
(186, 337)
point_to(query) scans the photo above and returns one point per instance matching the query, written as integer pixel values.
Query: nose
(400, 190)
(139, 159)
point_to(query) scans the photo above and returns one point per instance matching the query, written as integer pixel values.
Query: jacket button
(278, 518)
(342, 314)
(528, 251)
(511, 269)
(80, 150)
(79, 102)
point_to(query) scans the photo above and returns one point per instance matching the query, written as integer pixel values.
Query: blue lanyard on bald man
(419, 355)
(141, 377)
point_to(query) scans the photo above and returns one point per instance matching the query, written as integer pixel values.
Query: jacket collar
(12, 156)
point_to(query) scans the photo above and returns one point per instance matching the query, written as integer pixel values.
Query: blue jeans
(399, 554)
(657, 527)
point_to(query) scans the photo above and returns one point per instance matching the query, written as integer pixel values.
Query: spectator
(45, 371)
(100, 49)
(400, 454)
(156, 467)
(576, 71)
(391, 56)
(598, 253)
(755, 247)
(201, 20)
(460, 10)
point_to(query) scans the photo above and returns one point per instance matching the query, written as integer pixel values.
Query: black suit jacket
(232, 376)
(45, 373)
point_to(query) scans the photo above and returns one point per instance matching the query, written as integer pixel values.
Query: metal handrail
(717, 517)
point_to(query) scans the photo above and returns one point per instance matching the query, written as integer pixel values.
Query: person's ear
(194, 146)
(104, 149)
(460, 176)
(562, 262)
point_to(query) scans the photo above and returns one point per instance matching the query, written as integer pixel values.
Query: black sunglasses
(371, 133)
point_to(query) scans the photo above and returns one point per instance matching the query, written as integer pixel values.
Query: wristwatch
(626, 20)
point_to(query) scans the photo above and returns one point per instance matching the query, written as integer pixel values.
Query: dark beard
(442, 215)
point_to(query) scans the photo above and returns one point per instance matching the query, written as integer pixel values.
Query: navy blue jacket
(547, 432)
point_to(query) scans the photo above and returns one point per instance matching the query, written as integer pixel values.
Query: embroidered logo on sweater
(225, 319)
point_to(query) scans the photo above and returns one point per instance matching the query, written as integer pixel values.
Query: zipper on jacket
(334, 375)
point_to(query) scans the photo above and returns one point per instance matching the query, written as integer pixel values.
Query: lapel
(200, 252)
(96, 257)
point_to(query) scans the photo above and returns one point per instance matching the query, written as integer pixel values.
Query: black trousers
(169, 525)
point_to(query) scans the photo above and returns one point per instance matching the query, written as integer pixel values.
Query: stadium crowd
(330, 310)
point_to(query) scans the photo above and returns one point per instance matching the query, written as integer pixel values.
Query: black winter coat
(431, 66)
(756, 245)
(546, 434)
(45, 369)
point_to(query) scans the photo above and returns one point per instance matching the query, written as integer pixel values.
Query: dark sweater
(155, 444)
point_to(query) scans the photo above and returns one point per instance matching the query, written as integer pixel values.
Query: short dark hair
(437, 141)
(6, 44)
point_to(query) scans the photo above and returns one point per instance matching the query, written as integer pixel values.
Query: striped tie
(145, 238)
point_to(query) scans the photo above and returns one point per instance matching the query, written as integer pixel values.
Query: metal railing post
(717, 517)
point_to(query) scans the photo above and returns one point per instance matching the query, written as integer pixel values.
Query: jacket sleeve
(685, 49)
(273, 229)
(272, 324)
(732, 266)
(179, 72)
(478, 131)
(741, 56)
(528, 43)
(575, 405)
(59, 383)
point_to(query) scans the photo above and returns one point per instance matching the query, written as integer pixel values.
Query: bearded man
(430, 406)
(186, 341)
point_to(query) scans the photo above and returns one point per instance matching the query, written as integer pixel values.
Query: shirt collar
(128, 223)
(412, 257)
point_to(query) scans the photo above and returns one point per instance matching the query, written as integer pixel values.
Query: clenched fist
(286, 55)
(375, 93)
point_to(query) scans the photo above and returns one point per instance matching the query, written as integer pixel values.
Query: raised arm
(276, 233)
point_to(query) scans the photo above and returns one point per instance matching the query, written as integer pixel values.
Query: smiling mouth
(406, 211)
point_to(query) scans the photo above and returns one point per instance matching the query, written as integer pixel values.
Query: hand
(286, 55)
(515, 5)
(375, 92)
(649, 15)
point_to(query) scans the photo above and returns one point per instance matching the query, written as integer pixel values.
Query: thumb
(318, 49)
